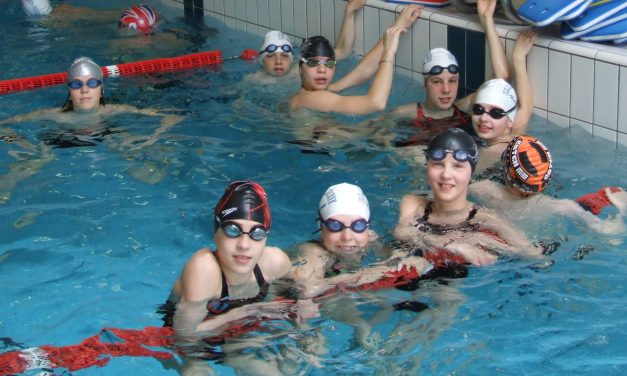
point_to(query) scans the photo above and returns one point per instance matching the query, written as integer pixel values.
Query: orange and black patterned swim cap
(243, 200)
(527, 164)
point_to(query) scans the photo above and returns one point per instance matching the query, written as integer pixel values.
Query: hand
(354, 5)
(485, 9)
(390, 40)
(408, 16)
(618, 198)
(421, 264)
(524, 43)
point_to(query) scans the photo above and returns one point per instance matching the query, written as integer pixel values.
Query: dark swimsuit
(429, 127)
(424, 225)
(224, 304)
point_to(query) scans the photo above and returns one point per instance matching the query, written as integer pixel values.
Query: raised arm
(485, 10)
(523, 46)
(369, 64)
(346, 38)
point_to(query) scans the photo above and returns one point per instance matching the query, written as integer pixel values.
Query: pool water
(96, 236)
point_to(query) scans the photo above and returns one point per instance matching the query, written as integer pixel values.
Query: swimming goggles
(495, 113)
(437, 69)
(76, 84)
(438, 154)
(357, 226)
(313, 62)
(233, 230)
(273, 48)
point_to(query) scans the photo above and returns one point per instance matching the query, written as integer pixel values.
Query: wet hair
(316, 46)
(456, 139)
(243, 200)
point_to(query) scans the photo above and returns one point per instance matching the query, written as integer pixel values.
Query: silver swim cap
(36, 8)
(84, 66)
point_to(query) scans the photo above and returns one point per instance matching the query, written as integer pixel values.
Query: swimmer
(276, 55)
(449, 221)
(527, 167)
(317, 68)
(500, 112)
(219, 286)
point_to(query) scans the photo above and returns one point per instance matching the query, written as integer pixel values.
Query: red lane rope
(161, 65)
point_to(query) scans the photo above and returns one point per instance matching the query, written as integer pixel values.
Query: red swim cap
(243, 200)
(140, 17)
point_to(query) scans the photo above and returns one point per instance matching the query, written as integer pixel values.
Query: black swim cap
(316, 46)
(454, 139)
(243, 200)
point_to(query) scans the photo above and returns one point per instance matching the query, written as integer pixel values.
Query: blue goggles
(438, 154)
(273, 48)
(357, 226)
(313, 62)
(76, 84)
(233, 230)
(437, 69)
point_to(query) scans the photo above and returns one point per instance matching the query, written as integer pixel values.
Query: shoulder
(201, 278)
(274, 263)
(202, 261)
(411, 205)
(406, 109)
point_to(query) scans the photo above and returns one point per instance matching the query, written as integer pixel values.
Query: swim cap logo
(228, 211)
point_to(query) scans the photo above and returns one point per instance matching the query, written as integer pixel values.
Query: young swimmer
(499, 111)
(527, 167)
(218, 286)
(449, 221)
(276, 54)
(317, 68)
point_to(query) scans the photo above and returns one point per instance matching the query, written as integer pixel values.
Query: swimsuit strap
(472, 213)
(259, 276)
(225, 287)
(427, 212)
(261, 282)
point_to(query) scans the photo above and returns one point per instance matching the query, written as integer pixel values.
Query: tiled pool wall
(575, 84)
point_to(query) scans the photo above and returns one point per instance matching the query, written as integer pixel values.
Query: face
(489, 128)
(318, 77)
(240, 254)
(346, 241)
(449, 179)
(277, 63)
(85, 99)
(441, 90)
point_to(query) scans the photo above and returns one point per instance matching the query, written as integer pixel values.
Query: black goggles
(495, 113)
(313, 62)
(438, 154)
(357, 226)
(233, 230)
(437, 69)
(273, 48)
(76, 84)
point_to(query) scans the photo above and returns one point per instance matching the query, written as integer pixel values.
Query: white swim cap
(84, 66)
(36, 7)
(438, 57)
(346, 199)
(278, 39)
(500, 93)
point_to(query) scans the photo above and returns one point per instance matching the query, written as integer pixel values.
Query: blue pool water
(96, 237)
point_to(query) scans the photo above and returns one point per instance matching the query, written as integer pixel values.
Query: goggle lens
(437, 69)
(92, 83)
(273, 47)
(495, 113)
(233, 230)
(357, 226)
(438, 154)
(313, 62)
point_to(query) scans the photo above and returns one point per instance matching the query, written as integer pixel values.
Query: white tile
(263, 15)
(338, 12)
(218, 6)
(540, 112)
(582, 89)
(240, 24)
(300, 19)
(404, 73)
(313, 18)
(287, 18)
(559, 120)
(622, 139)
(360, 29)
(240, 9)
(606, 95)
(559, 83)
(537, 66)
(613, 57)
(371, 28)
(252, 28)
(229, 8)
(230, 22)
(573, 48)
(608, 134)
(451, 20)
(207, 5)
(274, 14)
(437, 35)
(581, 124)
(327, 20)
(622, 100)
(404, 54)
(251, 11)
(420, 44)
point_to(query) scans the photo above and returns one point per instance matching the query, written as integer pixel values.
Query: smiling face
(345, 241)
(449, 179)
(277, 63)
(441, 90)
(489, 128)
(85, 99)
(239, 255)
(318, 77)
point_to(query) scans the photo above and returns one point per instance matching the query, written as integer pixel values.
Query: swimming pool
(97, 236)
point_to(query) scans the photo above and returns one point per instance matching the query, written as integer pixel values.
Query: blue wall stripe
(469, 48)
